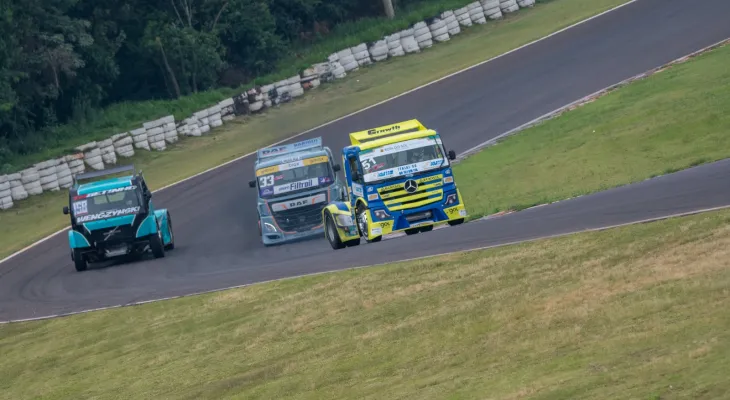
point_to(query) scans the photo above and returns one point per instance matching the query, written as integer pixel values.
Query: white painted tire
(444, 30)
(6, 203)
(460, 12)
(109, 158)
(29, 176)
(421, 31)
(437, 25)
(409, 44)
(34, 188)
(442, 38)
(5, 193)
(18, 193)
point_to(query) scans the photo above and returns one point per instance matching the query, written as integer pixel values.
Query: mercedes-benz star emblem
(410, 186)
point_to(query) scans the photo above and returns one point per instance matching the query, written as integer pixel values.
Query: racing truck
(113, 216)
(399, 178)
(294, 183)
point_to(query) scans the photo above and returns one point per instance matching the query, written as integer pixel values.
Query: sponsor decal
(372, 197)
(266, 181)
(81, 207)
(298, 185)
(410, 186)
(357, 189)
(462, 213)
(272, 151)
(292, 165)
(267, 191)
(376, 231)
(296, 203)
(107, 214)
(403, 170)
(323, 180)
(105, 192)
(392, 128)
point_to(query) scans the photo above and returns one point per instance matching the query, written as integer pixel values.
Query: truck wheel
(456, 222)
(157, 245)
(428, 228)
(362, 226)
(413, 231)
(331, 232)
(79, 261)
(171, 245)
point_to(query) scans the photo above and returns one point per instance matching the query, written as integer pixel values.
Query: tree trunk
(169, 70)
(388, 5)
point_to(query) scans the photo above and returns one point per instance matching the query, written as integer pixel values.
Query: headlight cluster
(448, 179)
(381, 214)
(451, 199)
(344, 220)
(269, 228)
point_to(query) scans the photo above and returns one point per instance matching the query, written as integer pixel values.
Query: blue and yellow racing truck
(295, 182)
(115, 216)
(399, 178)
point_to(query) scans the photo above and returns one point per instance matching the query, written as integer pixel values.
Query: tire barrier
(157, 135)
(123, 145)
(6, 197)
(378, 50)
(423, 35)
(452, 24)
(439, 30)
(476, 13)
(17, 191)
(47, 173)
(395, 47)
(509, 6)
(492, 9)
(462, 15)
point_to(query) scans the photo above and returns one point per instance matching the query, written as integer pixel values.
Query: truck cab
(113, 216)
(294, 183)
(399, 179)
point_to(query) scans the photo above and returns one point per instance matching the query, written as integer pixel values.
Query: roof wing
(387, 130)
(105, 172)
(289, 148)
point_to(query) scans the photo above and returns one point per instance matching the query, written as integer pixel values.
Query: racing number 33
(267, 180)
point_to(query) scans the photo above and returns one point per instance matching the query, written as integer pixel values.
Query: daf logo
(410, 186)
(110, 233)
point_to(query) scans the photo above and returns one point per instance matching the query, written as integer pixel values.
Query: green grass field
(33, 219)
(637, 312)
(670, 121)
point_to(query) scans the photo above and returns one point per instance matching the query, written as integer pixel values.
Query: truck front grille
(299, 219)
(123, 233)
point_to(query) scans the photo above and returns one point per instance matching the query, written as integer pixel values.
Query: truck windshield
(289, 178)
(403, 158)
(106, 204)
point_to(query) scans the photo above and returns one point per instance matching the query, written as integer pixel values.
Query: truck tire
(79, 261)
(157, 245)
(171, 245)
(331, 233)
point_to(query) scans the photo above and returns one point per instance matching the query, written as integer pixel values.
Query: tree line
(62, 59)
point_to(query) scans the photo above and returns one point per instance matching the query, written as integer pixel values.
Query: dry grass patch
(636, 312)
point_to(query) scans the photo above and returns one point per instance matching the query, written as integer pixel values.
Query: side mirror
(452, 155)
(336, 167)
(65, 210)
(252, 183)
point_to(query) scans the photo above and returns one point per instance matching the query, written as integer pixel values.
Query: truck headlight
(451, 199)
(344, 220)
(448, 179)
(381, 214)
(269, 227)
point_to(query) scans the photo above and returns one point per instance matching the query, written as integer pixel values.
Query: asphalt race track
(214, 214)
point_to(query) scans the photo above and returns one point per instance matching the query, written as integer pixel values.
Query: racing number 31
(267, 180)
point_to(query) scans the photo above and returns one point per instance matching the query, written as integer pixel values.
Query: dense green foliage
(62, 61)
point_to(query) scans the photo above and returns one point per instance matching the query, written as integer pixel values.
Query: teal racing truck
(113, 216)
(294, 183)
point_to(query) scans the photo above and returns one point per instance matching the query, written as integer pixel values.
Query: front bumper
(401, 220)
(271, 234)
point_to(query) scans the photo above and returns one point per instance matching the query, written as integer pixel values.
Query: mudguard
(162, 216)
(344, 217)
(77, 240)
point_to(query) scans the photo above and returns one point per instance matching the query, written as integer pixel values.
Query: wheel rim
(362, 221)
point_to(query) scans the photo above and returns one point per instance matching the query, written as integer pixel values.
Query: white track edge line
(481, 248)
(581, 22)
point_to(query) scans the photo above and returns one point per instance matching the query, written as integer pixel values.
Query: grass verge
(33, 219)
(667, 122)
(633, 312)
